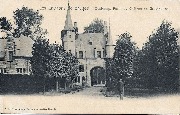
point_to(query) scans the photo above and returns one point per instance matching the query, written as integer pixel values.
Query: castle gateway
(91, 49)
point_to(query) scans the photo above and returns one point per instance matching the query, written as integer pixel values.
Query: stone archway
(97, 76)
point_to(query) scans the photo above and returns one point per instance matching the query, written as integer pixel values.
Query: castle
(91, 50)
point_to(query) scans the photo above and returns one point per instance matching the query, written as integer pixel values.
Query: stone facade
(15, 54)
(91, 49)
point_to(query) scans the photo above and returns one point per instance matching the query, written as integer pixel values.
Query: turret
(109, 44)
(68, 33)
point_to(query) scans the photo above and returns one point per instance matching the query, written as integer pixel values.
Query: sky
(133, 16)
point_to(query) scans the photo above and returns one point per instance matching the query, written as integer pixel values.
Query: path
(90, 100)
(91, 91)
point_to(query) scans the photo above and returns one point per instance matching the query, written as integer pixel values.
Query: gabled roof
(23, 46)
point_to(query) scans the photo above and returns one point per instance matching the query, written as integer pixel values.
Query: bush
(19, 84)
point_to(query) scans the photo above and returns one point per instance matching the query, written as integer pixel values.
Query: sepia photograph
(89, 56)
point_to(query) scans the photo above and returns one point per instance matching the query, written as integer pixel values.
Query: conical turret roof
(68, 22)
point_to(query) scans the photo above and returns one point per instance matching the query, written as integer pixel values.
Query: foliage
(51, 61)
(5, 24)
(63, 65)
(121, 65)
(123, 56)
(110, 79)
(96, 26)
(160, 57)
(139, 70)
(20, 84)
(28, 23)
(154, 68)
(41, 57)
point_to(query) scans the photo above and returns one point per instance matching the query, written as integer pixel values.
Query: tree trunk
(44, 85)
(57, 86)
(65, 85)
(44, 88)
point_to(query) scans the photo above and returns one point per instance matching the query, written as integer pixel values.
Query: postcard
(89, 56)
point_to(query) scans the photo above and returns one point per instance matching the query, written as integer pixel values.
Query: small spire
(68, 22)
(68, 5)
(109, 41)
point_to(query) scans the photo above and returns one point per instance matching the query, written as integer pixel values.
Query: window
(19, 70)
(90, 43)
(1, 70)
(69, 36)
(81, 54)
(104, 55)
(2, 59)
(5, 70)
(98, 54)
(24, 70)
(77, 79)
(94, 52)
(81, 68)
(10, 56)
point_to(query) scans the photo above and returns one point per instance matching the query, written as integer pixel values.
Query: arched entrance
(97, 76)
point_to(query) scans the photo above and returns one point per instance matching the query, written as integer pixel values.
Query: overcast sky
(126, 17)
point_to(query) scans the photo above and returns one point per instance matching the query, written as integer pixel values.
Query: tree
(121, 65)
(28, 23)
(97, 26)
(161, 53)
(40, 59)
(138, 65)
(63, 66)
(51, 61)
(123, 56)
(72, 68)
(146, 66)
(111, 80)
(57, 64)
(5, 24)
